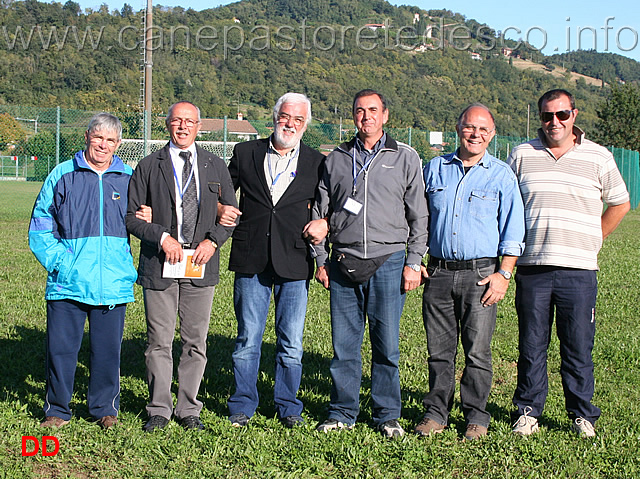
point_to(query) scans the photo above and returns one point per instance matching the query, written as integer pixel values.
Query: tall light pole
(148, 67)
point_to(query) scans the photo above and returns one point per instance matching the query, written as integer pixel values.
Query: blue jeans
(451, 307)
(65, 328)
(572, 292)
(381, 301)
(251, 297)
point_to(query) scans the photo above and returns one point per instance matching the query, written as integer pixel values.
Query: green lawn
(265, 448)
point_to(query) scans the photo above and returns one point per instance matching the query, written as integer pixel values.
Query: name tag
(352, 206)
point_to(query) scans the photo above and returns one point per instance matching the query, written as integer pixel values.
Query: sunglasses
(562, 115)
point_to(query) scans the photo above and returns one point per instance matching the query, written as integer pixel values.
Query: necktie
(189, 199)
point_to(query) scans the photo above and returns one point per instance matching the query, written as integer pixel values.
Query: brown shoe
(428, 426)
(107, 421)
(475, 431)
(53, 421)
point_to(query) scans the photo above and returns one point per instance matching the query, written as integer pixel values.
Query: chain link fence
(49, 136)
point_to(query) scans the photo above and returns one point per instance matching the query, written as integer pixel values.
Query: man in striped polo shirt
(564, 180)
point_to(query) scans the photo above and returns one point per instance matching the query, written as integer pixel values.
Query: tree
(11, 131)
(618, 118)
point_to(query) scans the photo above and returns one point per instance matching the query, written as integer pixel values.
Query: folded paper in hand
(185, 268)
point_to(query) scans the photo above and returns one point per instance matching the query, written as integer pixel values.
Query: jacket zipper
(101, 193)
(366, 172)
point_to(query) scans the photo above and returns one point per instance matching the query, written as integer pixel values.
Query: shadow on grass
(22, 368)
(219, 385)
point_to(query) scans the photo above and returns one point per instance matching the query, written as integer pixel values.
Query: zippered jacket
(77, 232)
(392, 194)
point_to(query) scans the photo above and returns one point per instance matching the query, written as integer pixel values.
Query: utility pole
(148, 67)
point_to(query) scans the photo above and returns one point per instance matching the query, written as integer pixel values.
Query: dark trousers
(451, 308)
(572, 294)
(65, 328)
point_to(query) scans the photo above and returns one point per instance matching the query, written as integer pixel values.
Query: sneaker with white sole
(333, 425)
(583, 427)
(391, 428)
(526, 425)
(239, 419)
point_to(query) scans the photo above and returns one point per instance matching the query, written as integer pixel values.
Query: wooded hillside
(246, 54)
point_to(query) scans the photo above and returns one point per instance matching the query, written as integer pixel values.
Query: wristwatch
(415, 267)
(507, 275)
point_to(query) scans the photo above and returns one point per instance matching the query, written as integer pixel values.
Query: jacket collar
(116, 166)
(390, 144)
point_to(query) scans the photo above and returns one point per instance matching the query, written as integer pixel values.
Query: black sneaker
(155, 422)
(239, 419)
(191, 423)
(292, 421)
(391, 428)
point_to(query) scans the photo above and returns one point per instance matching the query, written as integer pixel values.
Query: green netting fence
(628, 162)
(52, 135)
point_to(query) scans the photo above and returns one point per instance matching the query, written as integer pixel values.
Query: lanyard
(186, 185)
(275, 180)
(356, 173)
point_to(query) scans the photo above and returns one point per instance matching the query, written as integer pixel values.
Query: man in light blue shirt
(476, 216)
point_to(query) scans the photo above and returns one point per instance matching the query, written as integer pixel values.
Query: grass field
(265, 448)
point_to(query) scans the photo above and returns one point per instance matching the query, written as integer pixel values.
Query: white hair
(292, 98)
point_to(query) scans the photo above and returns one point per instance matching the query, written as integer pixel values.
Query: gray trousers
(193, 305)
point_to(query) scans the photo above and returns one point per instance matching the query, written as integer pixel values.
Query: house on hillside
(475, 56)
(240, 127)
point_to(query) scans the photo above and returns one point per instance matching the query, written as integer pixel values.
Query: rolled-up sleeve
(511, 220)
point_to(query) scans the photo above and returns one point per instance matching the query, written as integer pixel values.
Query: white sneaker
(333, 425)
(583, 427)
(526, 425)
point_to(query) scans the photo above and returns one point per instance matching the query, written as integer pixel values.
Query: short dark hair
(369, 92)
(554, 95)
(474, 105)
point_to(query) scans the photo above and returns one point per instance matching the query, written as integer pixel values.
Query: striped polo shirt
(563, 200)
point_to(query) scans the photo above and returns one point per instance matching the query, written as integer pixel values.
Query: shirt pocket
(214, 189)
(437, 197)
(483, 203)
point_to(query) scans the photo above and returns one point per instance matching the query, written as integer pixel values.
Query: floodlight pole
(148, 67)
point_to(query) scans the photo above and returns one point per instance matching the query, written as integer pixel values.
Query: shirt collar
(272, 149)
(377, 147)
(176, 151)
(580, 136)
(484, 161)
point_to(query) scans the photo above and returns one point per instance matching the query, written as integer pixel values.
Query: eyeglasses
(297, 120)
(187, 121)
(482, 130)
(97, 139)
(562, 115)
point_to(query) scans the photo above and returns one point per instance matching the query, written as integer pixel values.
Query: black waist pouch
(358, 270)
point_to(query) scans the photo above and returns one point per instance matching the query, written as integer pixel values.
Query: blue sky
(556, 22)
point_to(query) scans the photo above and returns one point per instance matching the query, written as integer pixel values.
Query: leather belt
(464, 264)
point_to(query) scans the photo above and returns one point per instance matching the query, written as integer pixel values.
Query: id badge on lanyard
(352, 205)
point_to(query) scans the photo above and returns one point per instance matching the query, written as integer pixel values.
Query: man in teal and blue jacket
(77, 232)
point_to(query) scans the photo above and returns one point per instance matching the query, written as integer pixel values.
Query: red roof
(234, 127)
